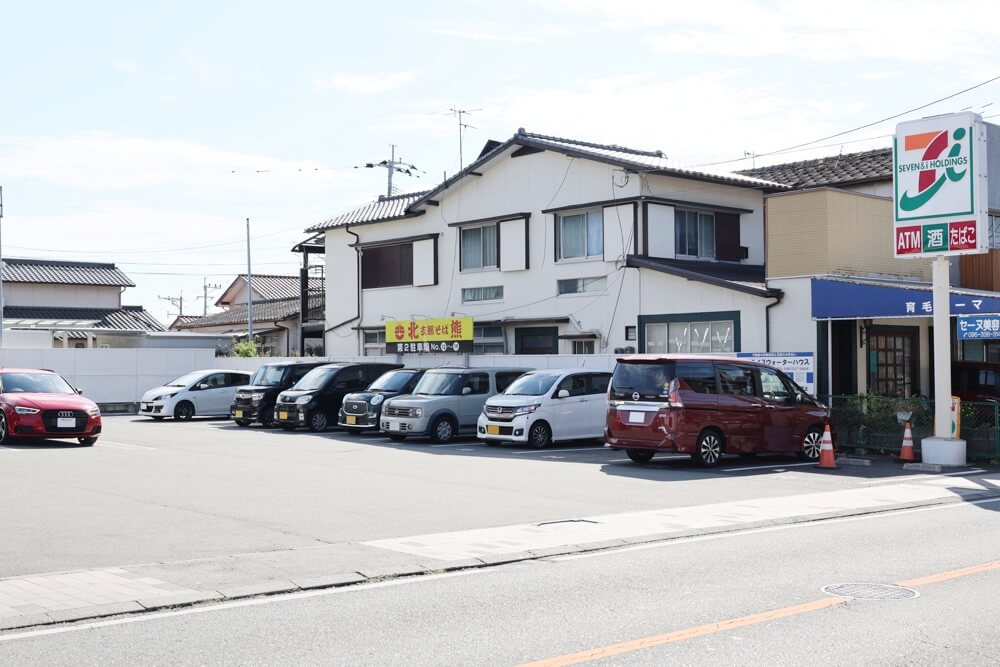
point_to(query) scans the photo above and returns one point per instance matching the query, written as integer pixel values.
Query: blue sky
(141, 132)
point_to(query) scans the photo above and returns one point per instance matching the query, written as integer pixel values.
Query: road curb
(413, 570)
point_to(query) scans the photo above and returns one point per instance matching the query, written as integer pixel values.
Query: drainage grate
(870, 591)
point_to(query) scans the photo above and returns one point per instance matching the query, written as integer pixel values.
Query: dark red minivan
(709, 406)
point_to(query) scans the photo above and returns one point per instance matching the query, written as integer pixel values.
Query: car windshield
(391, 381)
(532, 384)
(315, 379)
(648, 379)
(35, 383)
(185, 380)
(438, 384)
(268, 376)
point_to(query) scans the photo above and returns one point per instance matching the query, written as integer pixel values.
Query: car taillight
(674, 395)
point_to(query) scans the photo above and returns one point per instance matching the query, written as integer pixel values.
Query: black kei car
(360, 412)
(315, 400)
(255, 402)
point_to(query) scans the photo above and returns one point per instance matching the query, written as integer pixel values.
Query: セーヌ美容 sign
(939, 186)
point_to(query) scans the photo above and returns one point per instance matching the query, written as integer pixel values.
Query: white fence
(122, 375)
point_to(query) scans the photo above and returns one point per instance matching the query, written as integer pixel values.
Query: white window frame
(374, 348)
(488, 344)
(588, 252)
(496, 246)
(702, 253)
(717, 346)
(583, 283)
(498, 299)
(584, 346)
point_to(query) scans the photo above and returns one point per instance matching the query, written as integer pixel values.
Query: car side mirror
(203, 385)
(563, 393)
(79, 391)
(466, 390)
(800, 398)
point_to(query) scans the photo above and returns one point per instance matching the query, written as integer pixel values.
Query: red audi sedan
(41, 404)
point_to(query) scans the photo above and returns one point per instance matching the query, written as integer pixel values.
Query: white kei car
(547, 406)
(207, 393)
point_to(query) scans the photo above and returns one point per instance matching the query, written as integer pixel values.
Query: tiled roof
(268, 287)
(382, 209)
(182, 319)
(862, 167)
(269, 310)
(126, 318)
(63, 272)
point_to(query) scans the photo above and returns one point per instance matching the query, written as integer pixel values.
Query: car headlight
(163, 397)
(94, 411)
(25, 411)
(302, 400)
(257, 396)
(377, 399)
(418, 412)
(526, 409)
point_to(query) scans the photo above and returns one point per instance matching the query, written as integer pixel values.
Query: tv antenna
(753, 158)
(461, 128)
(205, 286)
(393, 166)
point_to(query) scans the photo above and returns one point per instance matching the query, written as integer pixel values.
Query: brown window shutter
(727, 237)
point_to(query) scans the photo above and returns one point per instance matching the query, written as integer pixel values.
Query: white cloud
(125, 66)
(366, 84)
(483, 31)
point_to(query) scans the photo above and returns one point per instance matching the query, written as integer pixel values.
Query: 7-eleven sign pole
(941, 209)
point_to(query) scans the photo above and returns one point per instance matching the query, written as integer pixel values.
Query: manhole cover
(870, 591)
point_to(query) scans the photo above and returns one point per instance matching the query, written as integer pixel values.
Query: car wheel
(288, 427)
(318, 421)
(443, 430)
(88, 442)
(640, 456)
(4, 437)
(709, 449)
(242, 422)
(397, 438)
(812, 443)
(184, 411)
(540, 435)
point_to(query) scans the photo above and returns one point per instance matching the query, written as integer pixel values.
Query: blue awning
(850, 299)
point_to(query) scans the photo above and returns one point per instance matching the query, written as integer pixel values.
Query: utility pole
(176, 301)
(462, 126)
(204, 290)
(249, 290)
(392, 165)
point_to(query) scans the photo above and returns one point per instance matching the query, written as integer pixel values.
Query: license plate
(282, 416)
(393, 426)
(493, 430)
(147, 406)
(238, 414)
(636, 418)
(65, 422)
(351, 420)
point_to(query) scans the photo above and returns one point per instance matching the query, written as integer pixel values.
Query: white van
(547, 406)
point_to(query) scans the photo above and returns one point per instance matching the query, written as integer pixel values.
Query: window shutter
(727, 237)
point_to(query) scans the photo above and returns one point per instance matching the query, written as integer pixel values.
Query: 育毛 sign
(796, 365)
(978, 327)
(939, 186)
(446, 334)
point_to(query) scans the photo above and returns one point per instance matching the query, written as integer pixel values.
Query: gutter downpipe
(357, 250)
(767, 319)
(288, 342)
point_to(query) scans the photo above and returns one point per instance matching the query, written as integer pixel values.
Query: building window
(488, 340)
(374, 343)
(892, 361)
(581, 235)
(994, 221)
(690, 337)
(694, 234)
(583, 347)
(474, 294)
(479, 247)
(387, 266)
(583, 285)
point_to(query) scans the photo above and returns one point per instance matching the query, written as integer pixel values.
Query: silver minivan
(445, 403)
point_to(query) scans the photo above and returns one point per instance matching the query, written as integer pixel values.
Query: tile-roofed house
(181, 319)
(278, 321)
(266, 287)
(127, 319)
(836, 170)
(59, 272)
(382, 209)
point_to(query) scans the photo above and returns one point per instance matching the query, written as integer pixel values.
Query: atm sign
(936, 237)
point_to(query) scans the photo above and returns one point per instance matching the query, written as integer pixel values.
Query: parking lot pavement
(213, 511)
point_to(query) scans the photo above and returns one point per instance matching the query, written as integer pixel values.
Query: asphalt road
(670, 603)
(166, 491)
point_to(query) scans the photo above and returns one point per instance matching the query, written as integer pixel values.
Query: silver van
(445, 403)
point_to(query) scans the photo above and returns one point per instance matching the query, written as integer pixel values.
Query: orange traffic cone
(826, 459)
(906, 453)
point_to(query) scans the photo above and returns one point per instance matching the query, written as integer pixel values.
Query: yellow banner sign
(427, 331)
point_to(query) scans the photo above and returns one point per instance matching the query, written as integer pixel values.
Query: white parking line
(777, 465)
(121, 445)
(560, 451)
(929, 475)
(458, 444)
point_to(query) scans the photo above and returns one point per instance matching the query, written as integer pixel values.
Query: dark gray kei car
(315, 400)
(255, 402)
(361, 411)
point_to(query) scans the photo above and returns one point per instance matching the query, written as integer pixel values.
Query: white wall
(61, 296)
(661, 231)
(792, 326)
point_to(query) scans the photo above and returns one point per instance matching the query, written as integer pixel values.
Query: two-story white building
(558, 246)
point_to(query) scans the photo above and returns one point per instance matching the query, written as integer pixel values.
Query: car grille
(499, 413)
(355, 408)
(50, 419)
(390, 411)
(243, 400)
